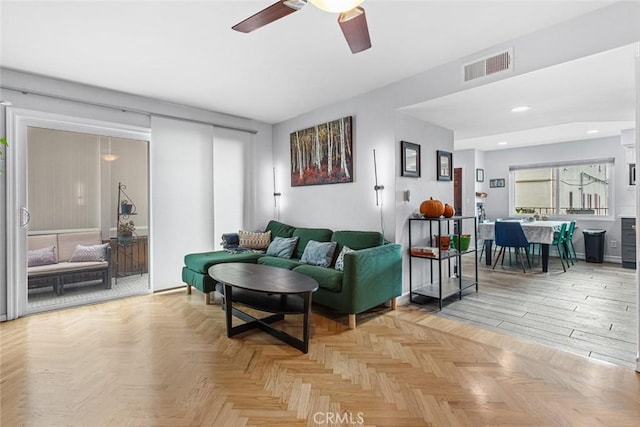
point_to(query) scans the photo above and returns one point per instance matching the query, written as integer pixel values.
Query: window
(575, 188)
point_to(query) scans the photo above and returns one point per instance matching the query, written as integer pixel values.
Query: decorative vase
(125, 238)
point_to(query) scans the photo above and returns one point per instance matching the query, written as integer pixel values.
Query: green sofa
(372, 274)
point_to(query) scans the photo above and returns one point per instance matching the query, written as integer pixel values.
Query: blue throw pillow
(282, 247)
(318, 253)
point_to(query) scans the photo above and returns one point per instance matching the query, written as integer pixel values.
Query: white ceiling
(185, 52)
(567, 100)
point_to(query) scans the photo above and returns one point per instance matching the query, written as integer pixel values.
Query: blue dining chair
(510, 235)
(482, 244)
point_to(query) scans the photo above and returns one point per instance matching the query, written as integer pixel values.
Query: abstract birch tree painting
(322, 154)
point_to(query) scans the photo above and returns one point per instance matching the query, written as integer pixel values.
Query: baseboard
(3, 317)
(403, 299)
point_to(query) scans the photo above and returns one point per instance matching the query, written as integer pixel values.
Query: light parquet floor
(164, 360)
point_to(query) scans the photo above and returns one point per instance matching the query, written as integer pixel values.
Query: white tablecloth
(535, 232)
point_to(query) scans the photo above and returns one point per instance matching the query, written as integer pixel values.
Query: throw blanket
(230, 240)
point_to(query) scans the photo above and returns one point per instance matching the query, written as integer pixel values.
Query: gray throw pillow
(43, 256)
(94, 253)
(282, 247)
(318, 253)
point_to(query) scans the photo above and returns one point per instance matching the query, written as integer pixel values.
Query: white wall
(349, 205)
(466, 159)
(498, 163)
(430, 138)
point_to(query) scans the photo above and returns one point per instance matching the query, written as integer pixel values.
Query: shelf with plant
(126, 230)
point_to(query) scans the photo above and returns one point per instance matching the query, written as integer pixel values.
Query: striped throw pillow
(252, 240)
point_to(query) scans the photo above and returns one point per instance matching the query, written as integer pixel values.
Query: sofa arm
(371, 277)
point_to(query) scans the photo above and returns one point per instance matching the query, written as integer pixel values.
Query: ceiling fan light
(336, 6)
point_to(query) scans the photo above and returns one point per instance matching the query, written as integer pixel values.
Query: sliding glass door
(65, 239)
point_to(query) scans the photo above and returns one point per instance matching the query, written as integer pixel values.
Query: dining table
(542, 232)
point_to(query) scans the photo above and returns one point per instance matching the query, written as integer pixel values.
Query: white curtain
(181, 169)
(232, 174)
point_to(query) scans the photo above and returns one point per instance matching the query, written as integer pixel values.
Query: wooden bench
(64, 271)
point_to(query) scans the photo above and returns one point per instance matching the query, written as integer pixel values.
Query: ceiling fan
(352, 19)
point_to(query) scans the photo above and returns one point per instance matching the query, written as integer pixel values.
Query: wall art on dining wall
(496, 183)
(410, 159)
(444, 165)
(322, 154)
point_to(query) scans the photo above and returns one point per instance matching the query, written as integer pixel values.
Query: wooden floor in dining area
(591, 309)
(165, 360)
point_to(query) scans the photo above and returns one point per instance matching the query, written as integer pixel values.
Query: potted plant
(126, 207)
(125, 231)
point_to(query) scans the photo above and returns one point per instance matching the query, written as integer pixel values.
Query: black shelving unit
(445, 267)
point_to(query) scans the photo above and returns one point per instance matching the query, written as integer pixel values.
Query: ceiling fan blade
(266, 16)
(354, 27)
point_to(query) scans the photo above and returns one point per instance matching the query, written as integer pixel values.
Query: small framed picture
(410, 159)
(496, 183)
(632, 174)
(445, 164)
(479, 175)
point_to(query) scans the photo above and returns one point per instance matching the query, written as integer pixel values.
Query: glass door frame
(18, 120)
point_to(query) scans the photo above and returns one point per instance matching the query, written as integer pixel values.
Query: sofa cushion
(65, 267)
(67, 242)
(253, 240)
(318, 253)
(279, 229)
(327, 278)
(273, 261)
(201, 262)
(40, 241)
(282, 247)
(306, 234)
(42, 256)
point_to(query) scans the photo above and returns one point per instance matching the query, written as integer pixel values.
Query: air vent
(489, 65)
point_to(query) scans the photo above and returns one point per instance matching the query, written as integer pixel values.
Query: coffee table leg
(228, 309)
(307, 321)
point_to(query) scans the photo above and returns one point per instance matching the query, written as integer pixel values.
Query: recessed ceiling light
(502, 143)
(520, 108)
(593, 131)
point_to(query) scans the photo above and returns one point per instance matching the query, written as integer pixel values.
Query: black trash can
(593, 245)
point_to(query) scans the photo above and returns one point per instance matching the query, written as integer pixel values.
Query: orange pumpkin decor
(432, 208)
(448, 211)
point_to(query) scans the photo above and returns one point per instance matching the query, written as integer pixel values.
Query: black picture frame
(479, 175)
(410, 155)
(444, 165)
(496, 183)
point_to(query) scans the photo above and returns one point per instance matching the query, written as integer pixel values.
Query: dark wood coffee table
(265, 288)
